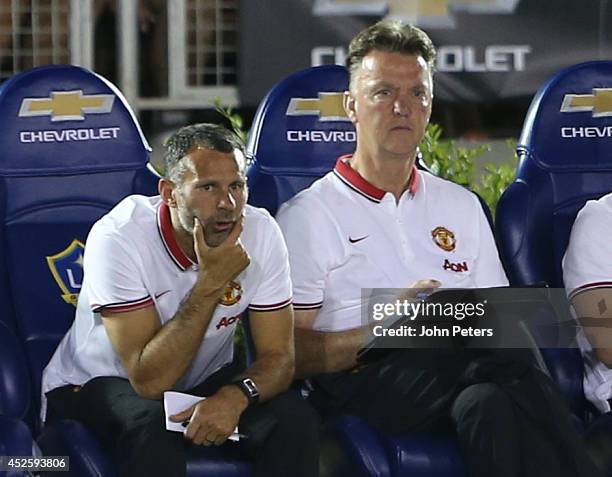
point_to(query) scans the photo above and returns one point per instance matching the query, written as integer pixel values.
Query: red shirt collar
(164, 225)
(351, 178)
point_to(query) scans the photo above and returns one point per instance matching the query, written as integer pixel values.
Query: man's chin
(214, 239)
(402, 151)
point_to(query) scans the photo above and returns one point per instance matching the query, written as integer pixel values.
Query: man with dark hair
(378, 222)
(166, 280)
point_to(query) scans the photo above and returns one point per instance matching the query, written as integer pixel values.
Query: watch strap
(248, 388)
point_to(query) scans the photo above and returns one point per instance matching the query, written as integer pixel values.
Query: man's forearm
(166, 357)
(600, 338)
(327, 352)
(272, 372)
(594, 314)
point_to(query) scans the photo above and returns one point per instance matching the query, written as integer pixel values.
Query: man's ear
(349, 106)
(167, 191)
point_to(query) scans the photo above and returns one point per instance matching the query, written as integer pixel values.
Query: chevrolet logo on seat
(328, 107)
(67, 105)
(600, 102)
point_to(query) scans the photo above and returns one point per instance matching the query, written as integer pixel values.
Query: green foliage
(450, 161)
(446, 159)
(496, 178)
(235, 120)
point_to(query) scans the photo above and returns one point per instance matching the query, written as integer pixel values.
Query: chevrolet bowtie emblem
(433, 13)
(67, 105)
(328, 106)
(600, 102)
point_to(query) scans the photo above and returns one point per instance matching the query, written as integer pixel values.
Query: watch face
(250, 386)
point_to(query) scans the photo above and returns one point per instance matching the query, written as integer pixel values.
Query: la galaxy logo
(232, 294)
(444, 238)
(67, 269)
(67, 105)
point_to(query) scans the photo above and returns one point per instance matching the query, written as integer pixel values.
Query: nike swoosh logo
(359, 239)
(157, 295)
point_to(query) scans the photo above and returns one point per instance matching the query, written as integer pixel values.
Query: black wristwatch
(249, 389)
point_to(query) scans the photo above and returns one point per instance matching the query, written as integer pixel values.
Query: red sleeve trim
(273, 307)
(125, 306)
(308, 306)
(587, 287)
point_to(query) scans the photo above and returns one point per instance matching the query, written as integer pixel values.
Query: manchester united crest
(232, 294)
(444, 238)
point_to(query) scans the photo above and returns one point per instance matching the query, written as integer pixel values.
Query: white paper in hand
(175, 402)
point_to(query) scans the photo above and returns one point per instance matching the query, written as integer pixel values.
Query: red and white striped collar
(166, 233)
(355, 181)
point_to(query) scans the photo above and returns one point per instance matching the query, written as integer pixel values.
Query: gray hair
(393, 37)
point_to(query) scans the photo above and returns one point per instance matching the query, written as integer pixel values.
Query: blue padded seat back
(15, 388)
(565, 160)
(298, 132)
(66, 120)
(565, 154)
(71, 149)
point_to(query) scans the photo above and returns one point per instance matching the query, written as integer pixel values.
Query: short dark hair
(391, 36)
(204, 135)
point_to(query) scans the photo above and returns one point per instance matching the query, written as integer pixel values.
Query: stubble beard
(211, 238)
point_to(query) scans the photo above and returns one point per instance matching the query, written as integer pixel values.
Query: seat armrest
(72, 439)
(362, 445)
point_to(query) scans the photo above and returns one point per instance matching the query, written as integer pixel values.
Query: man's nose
(227, 201)
(401, 106)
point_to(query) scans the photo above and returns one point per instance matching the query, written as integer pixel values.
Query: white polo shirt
(132, 261)
(344, 234)
(587, 265)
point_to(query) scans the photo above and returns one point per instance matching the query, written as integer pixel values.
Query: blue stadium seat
(15, 435)
(299, 131)
(15, 440)
(71, 149)
(565, 152)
